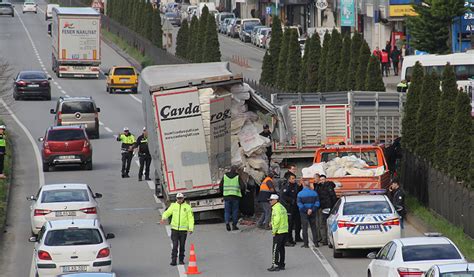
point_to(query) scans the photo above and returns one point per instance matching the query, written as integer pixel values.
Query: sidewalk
(391, 82)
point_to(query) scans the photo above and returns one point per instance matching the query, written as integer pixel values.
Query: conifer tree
(272, 55)
(322, 77)
(199, 48)
(373, 77)
(193, 38)
(148, 30)
(157, 31)
(303, 79)
(426, 117)
(293, 62)
(182, 40)
(364, 55)
(281, 79)
(471, 167)
(356, 43)
(411, 108)
(458, 158)
(343, 70)
(333, 60)
(445, 117)
(212, 52)
(313, 63)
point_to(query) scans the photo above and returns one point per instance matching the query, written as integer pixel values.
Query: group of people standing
(128, 147)
(388, 54)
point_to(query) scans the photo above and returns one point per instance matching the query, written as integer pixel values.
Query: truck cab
(372, 155)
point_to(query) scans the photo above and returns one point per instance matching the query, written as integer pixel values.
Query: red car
(66, 145)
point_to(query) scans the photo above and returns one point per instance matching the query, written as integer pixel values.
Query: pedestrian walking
(143, 155)
(327, 199)
(397, 197)
(395, 56)
(267, 188)
(308, 204)
(385, 63)
(128, 143)
(289, 196)
(232, 187)
(377, 53)
(388, 47)
(182, 224)
(268, 134)
(3, 150)
(279, 231)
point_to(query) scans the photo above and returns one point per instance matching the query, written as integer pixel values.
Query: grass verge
(144, 60)
(5, 186)
(456, 234)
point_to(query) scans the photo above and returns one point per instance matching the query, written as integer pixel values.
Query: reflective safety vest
(127, 141)
(264, 186)
(182, 217)
(3, 141)
(279, 219)
(232, 186)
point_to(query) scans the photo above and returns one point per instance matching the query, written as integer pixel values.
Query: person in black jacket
(268, 134)
(143, 155)
(397, 196)
(289, 195)
(327, 199)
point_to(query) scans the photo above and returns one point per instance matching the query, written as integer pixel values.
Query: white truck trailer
(76, 42)
(187, 111)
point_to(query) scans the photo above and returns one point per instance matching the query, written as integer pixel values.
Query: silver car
(6, 9)
(174, 18)
(253, 34)
(77, 111)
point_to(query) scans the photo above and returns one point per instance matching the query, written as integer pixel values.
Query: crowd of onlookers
(390, 56)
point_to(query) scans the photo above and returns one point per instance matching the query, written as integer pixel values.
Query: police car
(362, 221)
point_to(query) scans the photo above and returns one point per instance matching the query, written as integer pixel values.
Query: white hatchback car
(62, 201)
(362, 222)
(67, 246)
(30, 6)
(451, 270)
(413, 256)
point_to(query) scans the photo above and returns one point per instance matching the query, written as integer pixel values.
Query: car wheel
(45, 167)
(134, 90)
(36, 12)
(330, 243)
(369, 274)
(13, 15)
(336, 253)
(48, 97)
(107, 89)
(16, 97)
(88, 165)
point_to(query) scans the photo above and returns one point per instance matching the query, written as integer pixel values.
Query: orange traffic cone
(192, 266)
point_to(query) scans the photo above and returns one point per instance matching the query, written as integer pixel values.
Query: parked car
(268, 38)
(413, 256)
(261, 36)
(235, 28)
(49, 11)
(66, 145)
(7, 9)
(70, 246)
(60, 201)
(220, 17)
(122, 78)
(247, 27)
(173, 18)
(223, 26)
(451, 270)
(28, 84)
(253, 34)
(30, 6)
(229, 26)
(77, 111)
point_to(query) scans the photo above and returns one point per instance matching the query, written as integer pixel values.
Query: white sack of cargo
(340, 167)
(250, 139)
(309, 172)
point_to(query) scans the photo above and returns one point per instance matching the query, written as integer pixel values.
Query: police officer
(143, 155)
(3, 144)
(402, 86)
(128, 142)
(279, 231)
(232, 188)
(182, 223)
(397, 196)
(289, 195)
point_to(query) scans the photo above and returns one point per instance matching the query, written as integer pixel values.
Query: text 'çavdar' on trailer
(75, 34)
(201, 119)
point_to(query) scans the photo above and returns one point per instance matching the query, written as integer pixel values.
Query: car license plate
(67, 157)
(79, 68)
(74, 268)
(123, 80)
(369, 227)
(66, 213)
(33, 86)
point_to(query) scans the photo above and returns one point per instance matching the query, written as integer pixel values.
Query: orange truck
(372, 155)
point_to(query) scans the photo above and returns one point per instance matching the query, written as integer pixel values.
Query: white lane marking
(59, 87)
(67, 95)
(63, 92)
(39, 162)
(108, 129)
(56, 83)
(330, 270)
(135, 98)
(151, 185)
(41, 10)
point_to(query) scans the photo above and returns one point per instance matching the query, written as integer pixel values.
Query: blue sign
(268, 10)
(467, 20)
(404, 2)
(347, 13)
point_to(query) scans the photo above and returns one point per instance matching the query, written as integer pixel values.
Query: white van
(49, 11)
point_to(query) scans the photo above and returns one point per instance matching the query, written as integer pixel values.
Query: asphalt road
(128, 208)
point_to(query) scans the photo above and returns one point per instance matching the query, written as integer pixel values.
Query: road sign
(268, 10)
(321, 4)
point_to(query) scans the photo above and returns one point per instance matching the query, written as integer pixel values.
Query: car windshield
(66, 135)
(73, 236)
(264, 32)
(64, 195)
(124, 71)
(248, 26)
(429, 252)
(458, 274)
(367, 207)
(170, 15)
(32, 75)
(224, 16)
(5, 5)
(79, 106)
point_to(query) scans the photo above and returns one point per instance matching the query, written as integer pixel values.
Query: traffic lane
(123, 198)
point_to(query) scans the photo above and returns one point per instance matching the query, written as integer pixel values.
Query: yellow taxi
(122, 78)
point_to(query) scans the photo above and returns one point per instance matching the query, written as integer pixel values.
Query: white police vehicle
(362, 221)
